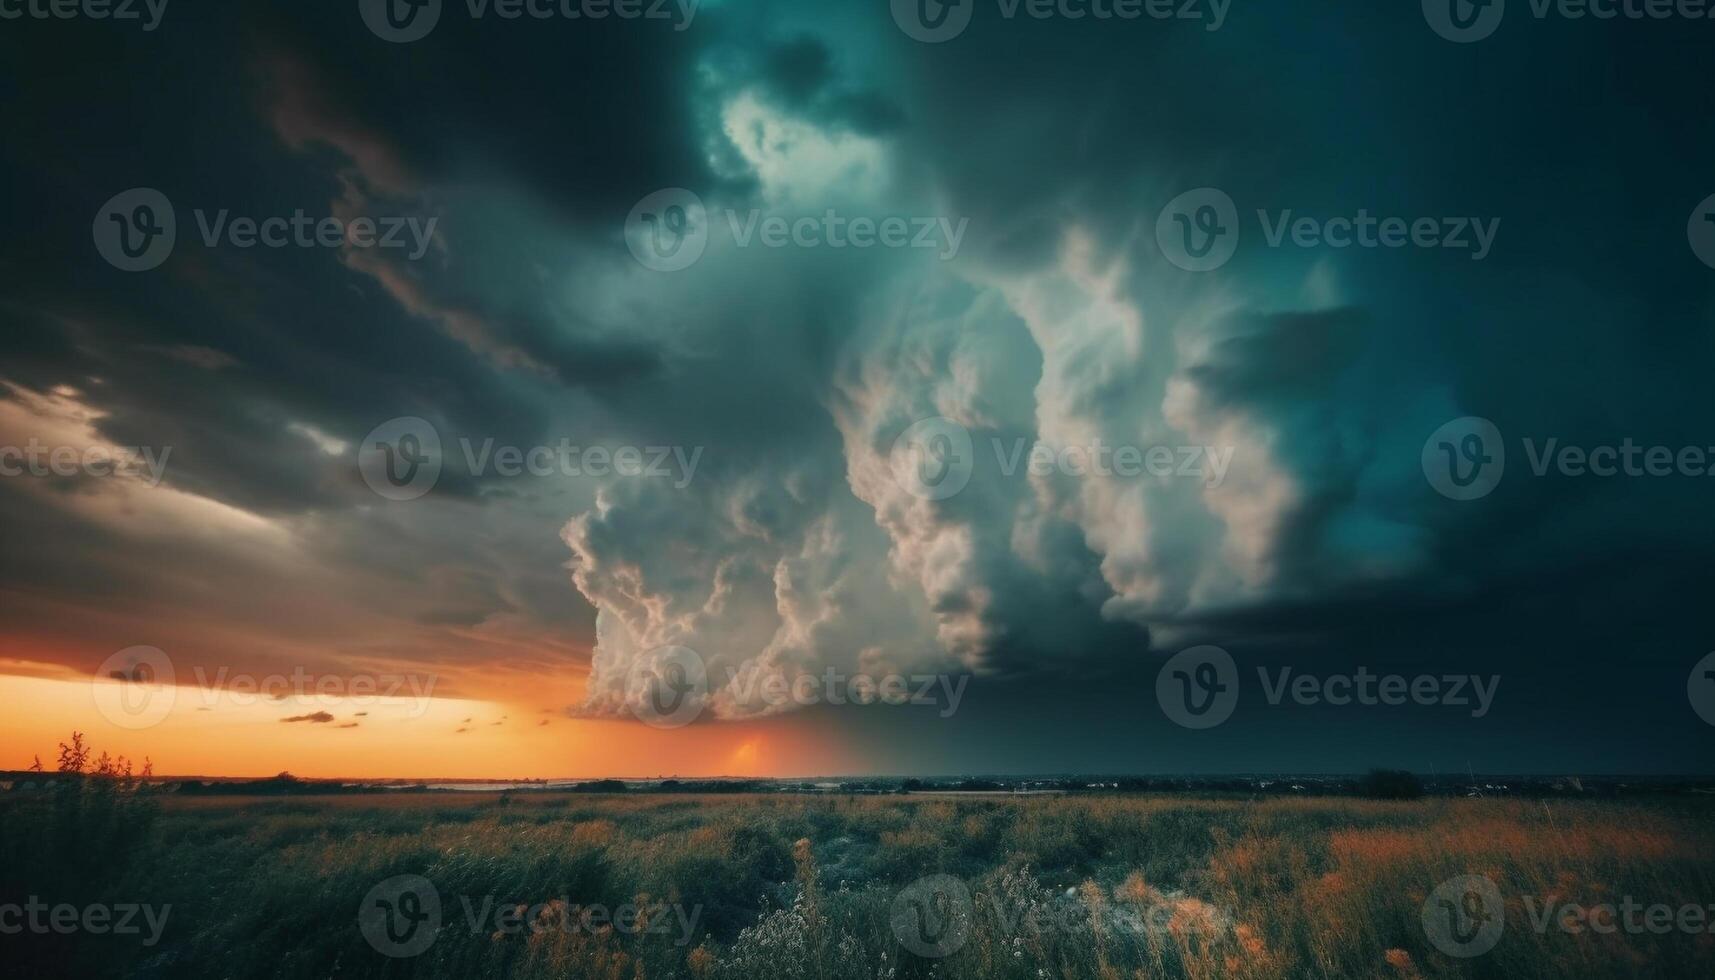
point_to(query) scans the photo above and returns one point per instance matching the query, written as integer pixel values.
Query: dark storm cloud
(1281, 357)
(803, 73)
(1324, 370)
(248, 363)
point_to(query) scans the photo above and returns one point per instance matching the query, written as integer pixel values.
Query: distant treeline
(1377, 784)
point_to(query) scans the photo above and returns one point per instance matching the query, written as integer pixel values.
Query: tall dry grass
(804, 887)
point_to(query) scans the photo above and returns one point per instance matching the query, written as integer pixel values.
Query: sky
(658, 363)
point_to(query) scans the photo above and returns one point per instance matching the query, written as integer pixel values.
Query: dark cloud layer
(794, 548)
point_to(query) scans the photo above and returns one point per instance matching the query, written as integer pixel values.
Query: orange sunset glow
(210, 733)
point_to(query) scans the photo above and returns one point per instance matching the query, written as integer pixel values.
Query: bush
(1390, 784)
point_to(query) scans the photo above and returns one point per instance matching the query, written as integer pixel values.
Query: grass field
(757, 887)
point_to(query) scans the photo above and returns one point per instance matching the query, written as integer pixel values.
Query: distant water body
(496, 787)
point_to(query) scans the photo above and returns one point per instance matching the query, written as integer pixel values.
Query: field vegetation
(1106, 887)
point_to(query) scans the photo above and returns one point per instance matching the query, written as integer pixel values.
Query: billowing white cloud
(802, 549)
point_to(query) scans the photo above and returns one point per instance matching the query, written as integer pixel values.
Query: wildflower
(1401, 962)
